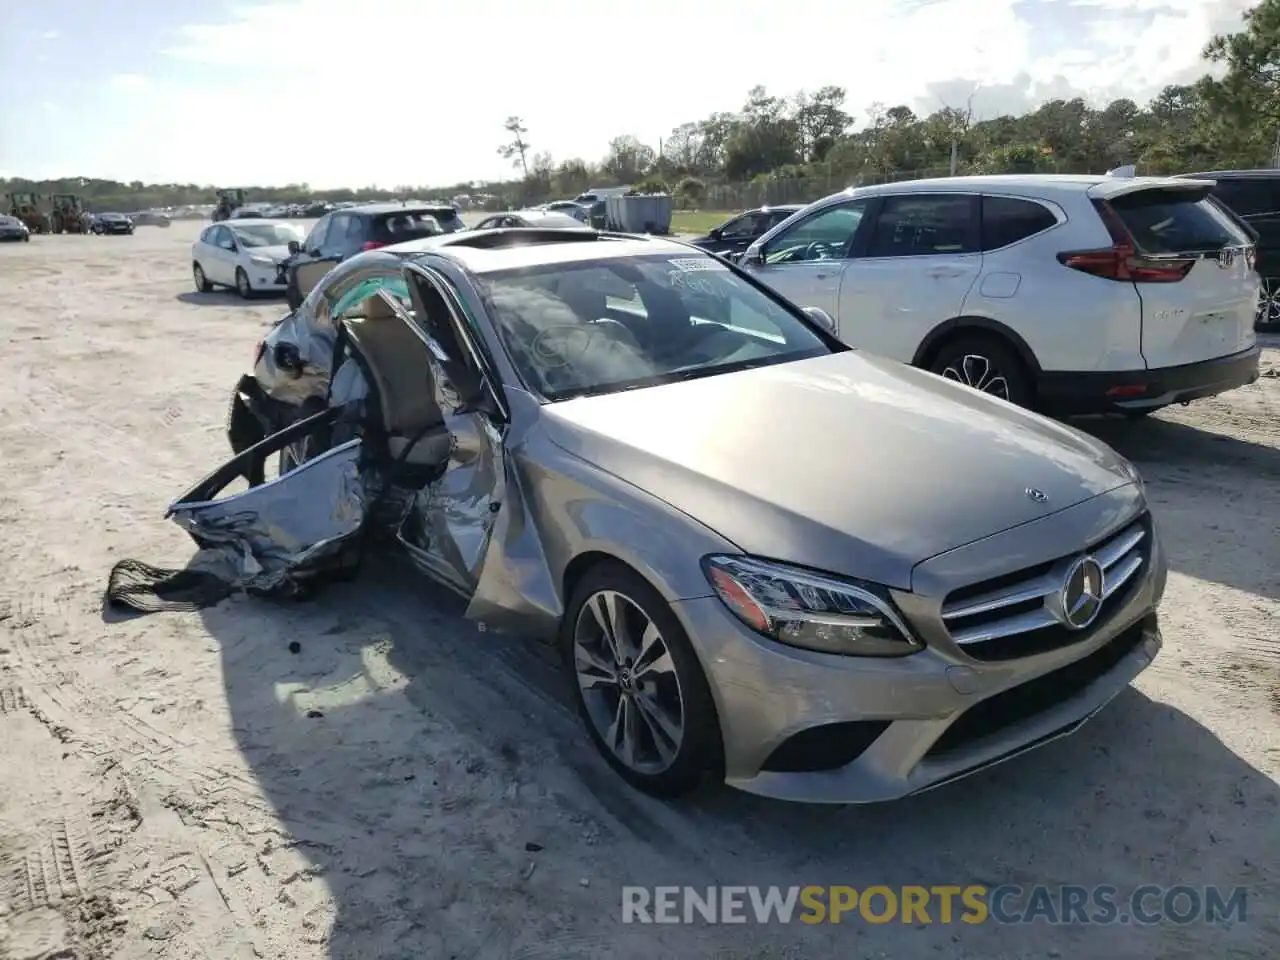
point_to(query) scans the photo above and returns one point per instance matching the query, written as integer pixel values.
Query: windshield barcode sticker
(698, 265)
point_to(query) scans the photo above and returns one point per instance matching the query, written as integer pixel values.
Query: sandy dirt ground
(407, 786)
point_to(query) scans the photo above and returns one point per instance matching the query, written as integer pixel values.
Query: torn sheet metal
(295, 365)
(470, 528)
(280, 532)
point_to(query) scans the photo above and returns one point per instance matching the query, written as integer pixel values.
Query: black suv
(344, 233)
(1254, 196)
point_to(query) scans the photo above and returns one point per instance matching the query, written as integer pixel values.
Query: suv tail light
(1122, 261)
(371, 245)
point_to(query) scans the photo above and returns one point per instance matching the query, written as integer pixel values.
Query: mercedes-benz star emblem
(1082, 593)
(1037, 495)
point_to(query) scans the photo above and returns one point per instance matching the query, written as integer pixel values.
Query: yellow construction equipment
(68, 214)
(26, 207)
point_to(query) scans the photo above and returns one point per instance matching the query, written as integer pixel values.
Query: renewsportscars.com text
(946, 904)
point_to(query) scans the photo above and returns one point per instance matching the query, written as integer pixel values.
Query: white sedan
(246, 255)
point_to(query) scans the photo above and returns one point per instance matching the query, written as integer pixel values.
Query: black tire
(985, 362)
(242, 284)
(700, 755)
(202, 282)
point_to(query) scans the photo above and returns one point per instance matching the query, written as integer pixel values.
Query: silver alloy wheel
(200, 280)
(979, 373)
(242, 284)
(628, 682)
(1268, 304)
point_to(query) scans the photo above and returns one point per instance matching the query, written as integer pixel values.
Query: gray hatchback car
(768, 558)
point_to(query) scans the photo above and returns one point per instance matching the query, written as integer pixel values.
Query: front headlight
(810, 610)
(262, 261)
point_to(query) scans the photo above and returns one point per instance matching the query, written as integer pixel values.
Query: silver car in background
(768, 559)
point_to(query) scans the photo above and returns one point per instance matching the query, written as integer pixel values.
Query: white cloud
(441, 92)
(131, 82)
(48, 106)
(50, 35)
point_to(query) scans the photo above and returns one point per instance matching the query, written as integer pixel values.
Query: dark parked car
(1254, 196)
(11, 228)
(149, 218)
(344, 233)
(104, 223)
(731, 238)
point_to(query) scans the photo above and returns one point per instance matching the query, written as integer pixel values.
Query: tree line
(1228, 121)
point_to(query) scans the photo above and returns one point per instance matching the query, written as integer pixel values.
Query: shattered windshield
(600, 326)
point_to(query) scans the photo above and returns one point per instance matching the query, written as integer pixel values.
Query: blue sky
(392, 92)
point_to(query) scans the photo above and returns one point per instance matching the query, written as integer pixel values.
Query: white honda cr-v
(1072, 294)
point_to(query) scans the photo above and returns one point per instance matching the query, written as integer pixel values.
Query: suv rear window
(409, 225)
(1176, 221)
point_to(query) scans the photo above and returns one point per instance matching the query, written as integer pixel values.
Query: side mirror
(294, 248)
(754, 254)
(715, 233)
(821, 318)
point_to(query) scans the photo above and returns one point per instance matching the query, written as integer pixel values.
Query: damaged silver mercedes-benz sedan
(767, 557)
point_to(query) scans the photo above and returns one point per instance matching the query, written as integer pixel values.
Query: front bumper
(268, 278)
(18, 235)
(818, 728)
(1067, 393)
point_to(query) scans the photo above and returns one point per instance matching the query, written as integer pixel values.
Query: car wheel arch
(578, 569)
(948, 330)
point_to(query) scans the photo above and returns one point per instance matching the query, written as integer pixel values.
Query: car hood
(277, 253)
(847, 463)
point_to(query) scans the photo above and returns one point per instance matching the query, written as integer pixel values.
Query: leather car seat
(400, 363)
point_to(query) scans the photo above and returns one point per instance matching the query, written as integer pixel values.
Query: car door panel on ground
(919, 262)
(1208, 312)
(806, 262)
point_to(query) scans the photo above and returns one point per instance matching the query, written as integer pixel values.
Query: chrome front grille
(1020, 614)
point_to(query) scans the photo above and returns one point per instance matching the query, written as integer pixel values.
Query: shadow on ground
(1216, 498)
(442, 751)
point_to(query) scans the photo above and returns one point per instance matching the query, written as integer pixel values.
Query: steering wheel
(818, 250)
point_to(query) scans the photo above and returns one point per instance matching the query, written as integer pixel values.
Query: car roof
(376, 209)
(1042, 185)
(545, 217)
(459, 248)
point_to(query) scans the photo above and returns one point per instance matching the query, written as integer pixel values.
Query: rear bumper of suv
(1067, 392)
